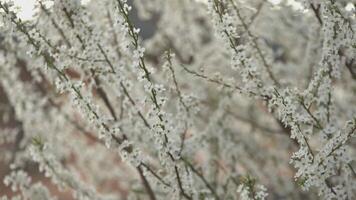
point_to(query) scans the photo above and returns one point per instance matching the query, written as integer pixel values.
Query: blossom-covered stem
(219, 9)
(341, 143)
(21, 27)
(107, 60)
(297, 125)
(219, 119)
(318, 124)
(145, 182)
(123, 87)
(335, 7)
(267, 66)
(134, 36)
(267, 98)
(52, 103)
(111, 65)
(49, 60)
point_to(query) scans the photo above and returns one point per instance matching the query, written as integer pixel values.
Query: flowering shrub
(227, 99)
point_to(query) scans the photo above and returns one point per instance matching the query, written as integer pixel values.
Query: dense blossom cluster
(227, 99)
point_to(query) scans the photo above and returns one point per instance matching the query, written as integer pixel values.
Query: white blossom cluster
(223, 99)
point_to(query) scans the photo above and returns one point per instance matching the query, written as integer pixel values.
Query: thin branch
(350, 65)
(146, 184)
(180, 184)
(257, 13)
(104, 96)
(201, 176)
(253, 123)
(170, 66)
(211, 79)
(316, 11)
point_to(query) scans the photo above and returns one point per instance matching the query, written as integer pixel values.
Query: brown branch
(104, 96)
(180, 184)
(255, 124)
(201, 176)
(170, 66)
(350, 65)
(146, 184)
(316, 11)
